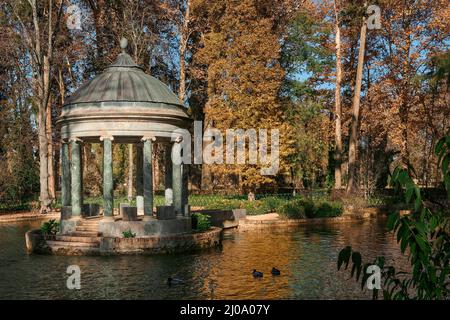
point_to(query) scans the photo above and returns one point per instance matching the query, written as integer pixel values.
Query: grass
(307, 208)
(285, 204)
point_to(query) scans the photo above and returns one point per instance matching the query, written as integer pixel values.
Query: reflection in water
(306, 257)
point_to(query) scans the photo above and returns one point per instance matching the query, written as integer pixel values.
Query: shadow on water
(306, 257)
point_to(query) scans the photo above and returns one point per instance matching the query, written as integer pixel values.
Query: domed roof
(123, 102)
(124, 81)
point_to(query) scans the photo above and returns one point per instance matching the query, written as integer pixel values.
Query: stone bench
(165, 212)
(90, 210)
(128, 212)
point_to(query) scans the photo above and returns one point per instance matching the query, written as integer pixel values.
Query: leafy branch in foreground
(424, 234)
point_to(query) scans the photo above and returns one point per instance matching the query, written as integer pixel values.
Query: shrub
(272, 203)
(50, 227)
(224, 204)
(201, 222)
(328, 209)
(128, 234)
(292, 210)
(306, 208)
(255, 207)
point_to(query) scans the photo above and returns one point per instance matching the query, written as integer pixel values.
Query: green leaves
(442, 151)
(128, 234)
(344, 256)
(392, 221)
(50, 227)
(356, 259)
(401, 179)
(201, 222)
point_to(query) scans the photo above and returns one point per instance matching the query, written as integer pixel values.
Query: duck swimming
(275, 271)
(171, 281)
(257, 274)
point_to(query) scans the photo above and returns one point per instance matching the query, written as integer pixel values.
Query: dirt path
(27, 215)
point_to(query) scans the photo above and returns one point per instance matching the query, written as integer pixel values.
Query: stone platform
(87, 240)
(115, 227)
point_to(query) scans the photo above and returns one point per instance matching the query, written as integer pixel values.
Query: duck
(275, 271)
(171, 281)
(257, 274)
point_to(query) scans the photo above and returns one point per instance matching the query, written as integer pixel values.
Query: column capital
(74, 139)
(109, 137)
(64, 141)
(177, 139)
(146, 138)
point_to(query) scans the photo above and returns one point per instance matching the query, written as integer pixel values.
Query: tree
(242, 52)
(351, 184)
(337, 103)
(308, 50)
(39, 35)
(185, 32)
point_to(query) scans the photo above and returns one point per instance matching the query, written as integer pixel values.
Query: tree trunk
(99, 10)
(43, 162)
(404, 107)
(351, 186)
(44, 81)
(49, 133)
(338, 109)
(182, 89)
(184, 37)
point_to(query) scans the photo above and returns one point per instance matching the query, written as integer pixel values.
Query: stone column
(168, 166)
(148, 178)
(108, 187)
(75, 169)
(65, 174)
(184, 188)
(168, 193)
(139, 173)
(177, 178)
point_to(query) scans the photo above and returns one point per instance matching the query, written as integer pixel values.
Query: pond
(305, 255)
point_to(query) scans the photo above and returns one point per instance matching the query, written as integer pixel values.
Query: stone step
(93, 228)
(93, 218)
(71, 244)
(78, 239)
(88, 224)
(86, 220)
(85, 234)
(74, 251)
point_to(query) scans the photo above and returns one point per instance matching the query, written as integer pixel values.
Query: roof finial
(123, 44)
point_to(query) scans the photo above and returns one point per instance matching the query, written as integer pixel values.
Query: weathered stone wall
(35, 241)
(162, 244)
(145, 228)
(67, 226)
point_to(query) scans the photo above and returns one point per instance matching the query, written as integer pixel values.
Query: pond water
(305, 255)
